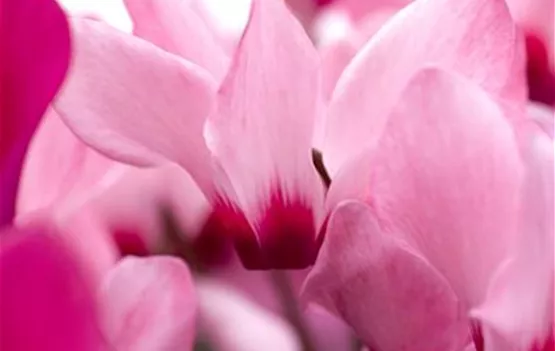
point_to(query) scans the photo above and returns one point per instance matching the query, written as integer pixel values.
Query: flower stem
(291, 308)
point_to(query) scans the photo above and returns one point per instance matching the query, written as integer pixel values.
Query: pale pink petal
(475, 38)
(58, 167)
(46, 300)
(149, 304)
(537, 18)
(112, 12)
(132, 207)
(175, 26)
(392, 297)
(232, 322)
(520, 301)
(262, 133)
(544, 117)
(226, 18)
(358, 9)
(35, 53)
(135, 102)
(338, 53)
(446, 175)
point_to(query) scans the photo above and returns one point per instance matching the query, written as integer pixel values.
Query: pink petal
(135, 102)
(262, 134)
(392, 297)
(30, 76)
(175, 26)
(536, 17)
(112, 12)
(544, 117)
(232, 322)
(446, 174)
(132, 206)
(520, 301)
(337, 54)
(226, 19)
(46, 301)
(358, 9)
(475, 38)
(59, 168)
(149, 304)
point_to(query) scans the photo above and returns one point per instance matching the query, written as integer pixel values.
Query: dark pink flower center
(284, 239)
(541, 79)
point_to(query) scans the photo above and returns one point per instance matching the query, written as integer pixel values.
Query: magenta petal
(392, 297)
(46, 303)
(34, 52)
(149, 304)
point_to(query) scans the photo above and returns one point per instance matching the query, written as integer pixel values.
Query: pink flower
(50, 302)
(263, 187)
(449, 179)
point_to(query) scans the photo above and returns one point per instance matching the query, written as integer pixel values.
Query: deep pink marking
(287, 234)
(547, 345)
(129, 242)
(285, 237)
(213, 246)
(541, 79)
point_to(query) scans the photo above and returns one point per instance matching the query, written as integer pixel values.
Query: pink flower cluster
(280, 175)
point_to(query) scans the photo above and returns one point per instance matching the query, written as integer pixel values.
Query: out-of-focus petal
(225, 18)
(358, 10)
(34, 47)
(475, 38)
(519, 308)
(536, 17)
(149, 304)
(175, 26)
(135, 102)
(132, 207)
(46, 301)
(58, 166)
(262, 133)
(544, 117)
(232, 322)
(337, 54)
(446, 175)
(112, 12)
(392, 297)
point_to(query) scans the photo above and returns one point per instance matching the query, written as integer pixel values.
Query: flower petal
(149, 304)
(262, 133)
(392, 297)
(475, 38)
(519, 307)
(536, 17)
(446, 174)
(175, 26)
(232, 322)
(58, 166)
(38, 275)
(30, 75)
(135, 102)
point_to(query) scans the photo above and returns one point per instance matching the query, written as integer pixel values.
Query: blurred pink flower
(49, 302)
